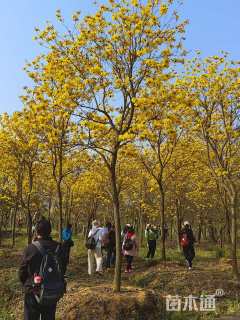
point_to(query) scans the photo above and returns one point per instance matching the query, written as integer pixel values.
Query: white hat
(186, 223)
(95, 223)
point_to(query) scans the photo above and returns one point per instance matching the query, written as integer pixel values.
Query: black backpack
(128, 244)
(53, 286)
(91, 243)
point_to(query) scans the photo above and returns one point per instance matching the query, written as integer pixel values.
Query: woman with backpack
(129, 247)
(94, 246)
(41, 274)
(187, 240)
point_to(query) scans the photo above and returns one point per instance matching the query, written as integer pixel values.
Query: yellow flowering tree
(111, 55)
(160, 124)
(213, 84)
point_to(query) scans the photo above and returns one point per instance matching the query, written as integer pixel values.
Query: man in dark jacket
(151, 234)
(30, 266)
(111, 248)
(187, 240)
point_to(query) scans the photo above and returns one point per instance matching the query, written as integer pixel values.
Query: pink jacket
(134, 250)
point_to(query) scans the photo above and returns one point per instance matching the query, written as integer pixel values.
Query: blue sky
(214, 26)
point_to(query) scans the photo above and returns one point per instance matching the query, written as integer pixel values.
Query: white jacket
(97, 232)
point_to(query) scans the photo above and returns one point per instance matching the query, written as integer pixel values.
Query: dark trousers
(110, 256)
(32, 310)
(151, 248)
(66, 247)
(189, 254)
(129, 260)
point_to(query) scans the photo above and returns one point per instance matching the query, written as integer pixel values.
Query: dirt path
(161, 278)
(236, 317)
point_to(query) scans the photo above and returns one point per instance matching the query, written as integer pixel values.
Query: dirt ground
(143, 293)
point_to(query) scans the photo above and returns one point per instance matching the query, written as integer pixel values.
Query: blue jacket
(66, 234)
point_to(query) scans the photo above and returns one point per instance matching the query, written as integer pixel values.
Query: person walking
(105, 242)
(129, 247)
(187, 241)
(151, 234)
(41, 269)
(111, 248)
(66, 245)
(94, 245)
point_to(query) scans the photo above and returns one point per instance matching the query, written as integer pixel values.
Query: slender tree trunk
(140, 227)
(29, 214)
(233, 203)
(1, 224)
(69, 217)
(228, 225)
(49, 208)
(221, 236)
(116, 211)
(212, 234)
(204, 232)
(178, 215)
(14, 215)
(200, 231)
(67, 205)
(15, 211)
(162, 212)
(29, 228)
(58, 158)
(60, 225)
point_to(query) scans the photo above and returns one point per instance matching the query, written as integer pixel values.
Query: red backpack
(184, 241)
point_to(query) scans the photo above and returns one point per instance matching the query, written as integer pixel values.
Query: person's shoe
(99, 273)
(126, 271)
(189, 268)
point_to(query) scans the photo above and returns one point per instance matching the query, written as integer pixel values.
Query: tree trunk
(221, 236)
(116, 211)
(49, 208)
(171, 230)
(140, 233)
(29, 227)
(228, 225)
(14, 215)
(69, 217)
(212, 234)
(200, 232)
(162, 212)
(1, 224)
(29, 214)
(233, 203)
(58, 158)
(179, 222)
(60, 225)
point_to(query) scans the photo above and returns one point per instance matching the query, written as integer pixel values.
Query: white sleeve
(90, 233)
